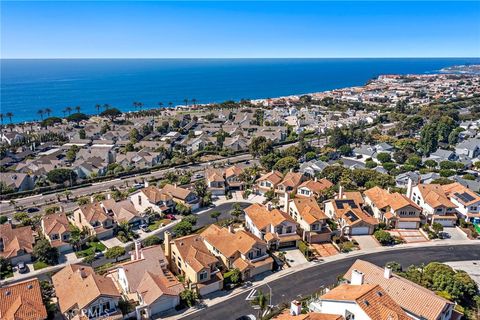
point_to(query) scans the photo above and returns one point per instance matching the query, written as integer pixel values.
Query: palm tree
(194, 101)
(9, 116)
(40, 113)
(48, 111)
(160, 104)
(261, 300)
(97, 106)
(186, 102)
(1, 119)
(69, 110)
(170, 104)
(77, 108)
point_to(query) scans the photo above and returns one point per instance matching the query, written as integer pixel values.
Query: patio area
(409, 236)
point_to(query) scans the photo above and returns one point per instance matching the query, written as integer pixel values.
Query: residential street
(310, 280)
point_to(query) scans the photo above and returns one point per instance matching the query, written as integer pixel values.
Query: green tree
(236, 211)
(261, 301)
(260, 146)
(215, 215)
(437, 227)
(115, 253)
(112, 114)
(151, 241)
(384, 157)
(189, 297)
(337, 138)
(44, 252)
(183, 228)
(430, 163)
(383, 237)
(82, 134)
(428, 139)
(286, 164)
(60, 176)
(71, 154)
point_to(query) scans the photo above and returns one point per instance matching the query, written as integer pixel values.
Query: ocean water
(30, 85)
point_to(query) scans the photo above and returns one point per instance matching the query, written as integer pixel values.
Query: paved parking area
(366, 242)
(410, 236)
(324, 249)
(455, 234)
(294, 257)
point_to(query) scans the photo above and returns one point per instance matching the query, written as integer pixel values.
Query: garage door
(407, 225)
(287, 244)
(359, 230)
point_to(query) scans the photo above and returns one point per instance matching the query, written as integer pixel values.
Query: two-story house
(289, 183)
(182, 195)
(394, 209)
(467, 201)
(189, 256)
(350, 216)
(215, 181)
(124, 211)
(275, 227)
(233, 178)
(312, 220)
(238, 249)
(56, 228)
(434, 202)
(22, 301)
(16, 244)
(152, 198)
(313, 188)
(147, 280)
(82, 292)
(95, 219)
(268, 182)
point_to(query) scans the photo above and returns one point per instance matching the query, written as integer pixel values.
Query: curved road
(310, 280)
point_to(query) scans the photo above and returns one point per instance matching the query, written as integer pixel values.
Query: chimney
(269, 206)
(409, 188)
(167, 240)
(230, 229)
(138, 247)
(145, 183)
(286, 203)
(92, 200)
(340, 192)
(387, 273)
(175, 184)
(109, 196)
(388, 189)
(357, 278)
(295, 308)
(316, 179)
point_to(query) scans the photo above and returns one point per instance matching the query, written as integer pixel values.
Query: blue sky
(111, 29)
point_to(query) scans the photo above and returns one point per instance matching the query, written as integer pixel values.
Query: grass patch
(154, 226)
(39, 265)
(90, 248)
(5, 275)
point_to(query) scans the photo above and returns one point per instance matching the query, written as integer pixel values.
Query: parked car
(137, 186)
(170, 216)
(22, 267)
(99, 254)
(144, 228)
(247, 317)
(32, 210)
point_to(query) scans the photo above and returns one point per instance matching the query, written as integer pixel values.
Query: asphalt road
(309, 281)
(51, 199)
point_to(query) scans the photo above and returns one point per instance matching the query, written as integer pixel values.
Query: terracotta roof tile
(309, 209)
(16, 239)
(262, 217)
(22, 301)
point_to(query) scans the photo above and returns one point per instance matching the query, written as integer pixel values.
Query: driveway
(408, 235)
(366, 242)
(324, 249)
(109, 243)
(455, 234)
(294, 257)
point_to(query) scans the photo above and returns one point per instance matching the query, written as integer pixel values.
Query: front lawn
(39, 265)
(159, 223)
(90, 248)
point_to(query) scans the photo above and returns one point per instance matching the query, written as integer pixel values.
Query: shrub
(383, 237)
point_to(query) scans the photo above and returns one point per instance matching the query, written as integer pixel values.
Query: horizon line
(232, 58)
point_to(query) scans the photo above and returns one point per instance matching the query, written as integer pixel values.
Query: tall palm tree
(77, 108)
(261, 300)
(186, 102)
(97, 106)
(160, 104)
(48, 111)
(194, 101)
(69, 110)
(170, 104)
(1, 120)
(9, 116)
(40, 113)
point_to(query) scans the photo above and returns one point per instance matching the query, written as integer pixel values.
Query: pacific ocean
(30, 85)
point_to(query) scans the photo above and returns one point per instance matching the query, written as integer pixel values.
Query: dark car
(32, 210)
(247, 317)
(22, 267)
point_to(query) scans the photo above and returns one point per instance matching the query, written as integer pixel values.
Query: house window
(250, 255)
(349, 315)
(315, 226)
(474, 208)
(203, 275)
(289, 229)
(279, 229)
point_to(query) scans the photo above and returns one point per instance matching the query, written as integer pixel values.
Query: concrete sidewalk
(214, 299)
